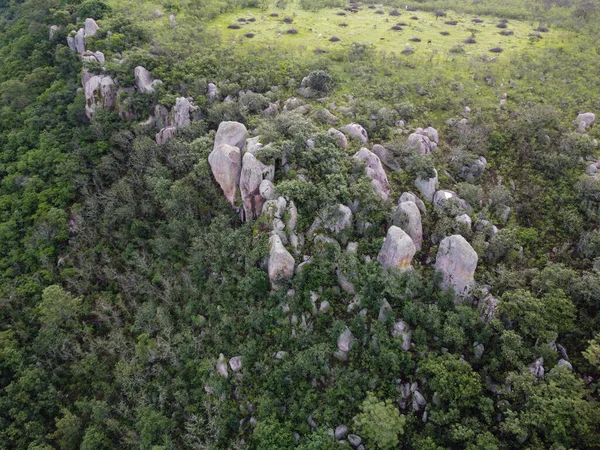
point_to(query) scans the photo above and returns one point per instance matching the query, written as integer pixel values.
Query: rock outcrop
(408, 217)
(456, 261)
(421, 140)
(165, 134)
(281, 263)
(251, 177)
(356, 132)
(182, 111)
(398, 250)
(93, 57)
(100, 92)
(90, 27)
(375, 172)
(76, 41)
(144, 81)
(226, 165)
(231, 133)
(335, 219)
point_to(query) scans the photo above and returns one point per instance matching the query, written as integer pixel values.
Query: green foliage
(380, 422)
(96, 9)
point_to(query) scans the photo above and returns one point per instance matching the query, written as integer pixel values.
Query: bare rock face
(76, 41)
(182, 111)
(212, 93)
(456, 261)
(226, 165)
(90, 27)
(375, 172)
(356, 132)
(411, 197)
(341, 138)
(53, 30)
(427, 186)
(100, 92)
(231, 133)
(281, 263)
(144, 81)
(252, 175)
(165, 134)
(95, 57)
(408, 217)
(267, 190)
(398, 250)
(588, 118)
(420, 140)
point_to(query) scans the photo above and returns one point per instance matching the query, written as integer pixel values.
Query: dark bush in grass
(414, 18)
(445, 33)
(320, 51)
(395, 13)
(371, 6)
(334, 39)
(341, 13)
(496, 50)
(402, 24)
(274, 15)
(507, 33)
(288, 20)
(415, 39)
(503, 20)
(251, 19)
(234, 26)
(249, 35)
(379, 12)
(343, 24)
(476, 20)
(451, 22)
(396, 28)
(457, 49)
(411, 8)
(241, 19)
(535, 35)
(470, 40)
(292, 31)
(501, 25)
(542, 29)
(408, 51)
(439, 13)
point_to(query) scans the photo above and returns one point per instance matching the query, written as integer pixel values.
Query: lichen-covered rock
(144, 81)
(401, 329)
(408, 217)
(456, 261)
(253, 173)
(356, 132)
(231, 133)
(100, 92)
(427, 186)
(236, 363)
(375, 172)
(90, 27)
(398, 250)
(165, 134)
(443, 199)
(281, 263)
(341, 138)
(464, 221)
(226, 165)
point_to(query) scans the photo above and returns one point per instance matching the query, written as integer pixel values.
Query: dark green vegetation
(125, 273)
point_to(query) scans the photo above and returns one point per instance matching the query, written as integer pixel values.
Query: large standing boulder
(182, 111)
(231, 133)
(144, 81)
(281, 263)
(76, 41)
(375, 172)
(226, 165)
(100, 92)
(456, 261)
(427, 186)
(408, 217)
(356, 132)
(420, 141)
(253, 173)
(411, 197)
(398, 250)
(90, 27)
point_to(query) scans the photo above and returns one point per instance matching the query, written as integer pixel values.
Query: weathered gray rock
(144, 81)
(341, 138)
(281, 263)
(231, 133)
(236, 363)
(325, 116)
(427, 186)
(165, 134)
(222, 366)
(537, 368)
(345, 284)
(398, 250)
(464, 221)
(345, 341)
(411, 197)
(341, 431)
(182, 111)
(401, 329)
(86, 76)
(421, 143)
(588, 118)
(354, 440)
(172, 20)
(253, 173)
(100, 92)
(442, 200)
(474, 170)
(226, 165)
(432, 133)
(375, 171)
(212, 93)
(53, 30)
(386, 158)
(76, 41)
(93, 57)
(408, 217)
(385, 311)
(456, 261)
(418, 401)
(564, 363)
(488, 308)
(356, 132)
(90, 27)
(267, 190)
(478, 350)
(335, 218)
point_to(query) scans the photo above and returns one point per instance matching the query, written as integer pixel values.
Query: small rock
(235, 363)
(341, 138)
(354, 440)
(341, 431)
(564, 363)
(222, 366)
(537, 368)
(356, 132)
(427, 186)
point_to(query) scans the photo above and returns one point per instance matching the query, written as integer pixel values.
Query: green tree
(380, 422)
